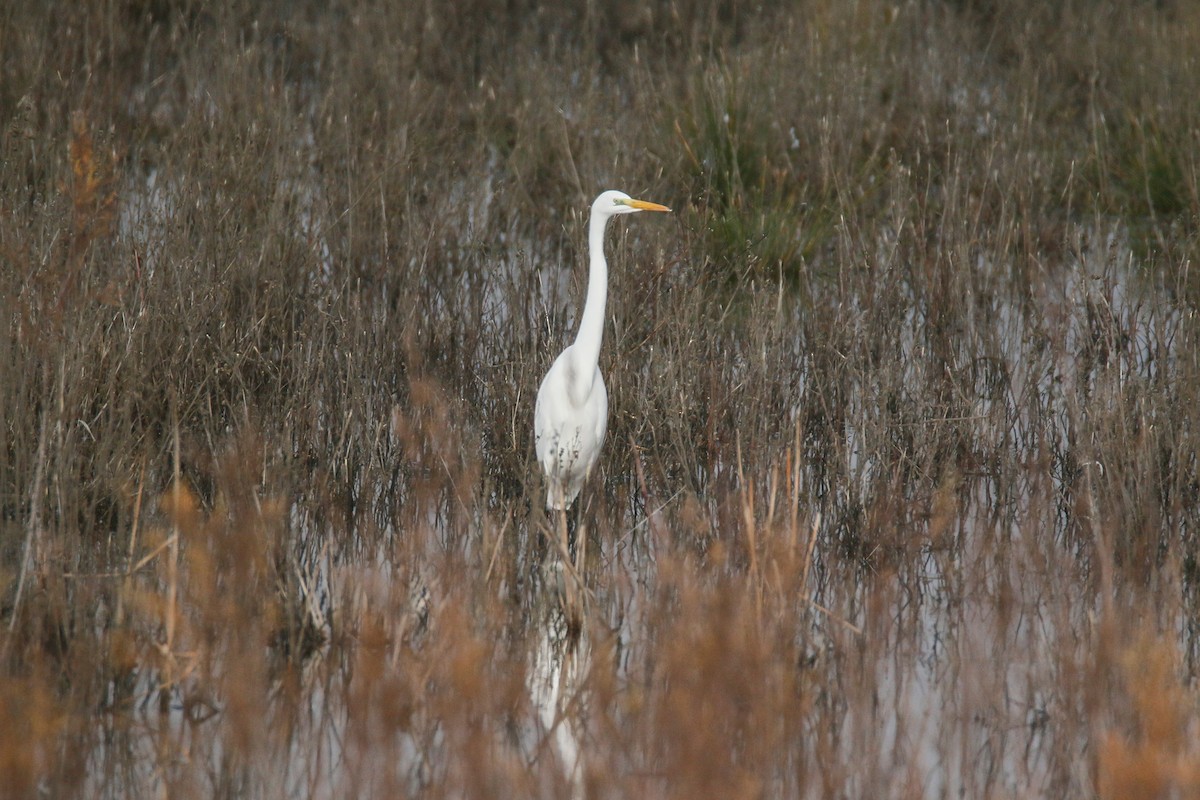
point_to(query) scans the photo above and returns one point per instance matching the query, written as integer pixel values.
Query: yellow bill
(646, 206)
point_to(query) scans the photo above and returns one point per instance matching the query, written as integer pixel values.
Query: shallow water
(950, 673)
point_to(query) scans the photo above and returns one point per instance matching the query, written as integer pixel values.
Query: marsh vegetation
(900, 493)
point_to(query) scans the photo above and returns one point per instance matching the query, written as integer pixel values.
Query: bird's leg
(581, 537)
(575, 527)
(572, 583)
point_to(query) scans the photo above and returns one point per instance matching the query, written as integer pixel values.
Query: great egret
(571, 414)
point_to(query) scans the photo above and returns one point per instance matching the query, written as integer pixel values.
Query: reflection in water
(556, 688)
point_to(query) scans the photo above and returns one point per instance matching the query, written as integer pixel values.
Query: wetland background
(900, 492)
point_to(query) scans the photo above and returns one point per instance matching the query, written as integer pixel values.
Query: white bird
(571, 415)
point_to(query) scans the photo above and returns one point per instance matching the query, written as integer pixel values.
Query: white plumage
(571, 415)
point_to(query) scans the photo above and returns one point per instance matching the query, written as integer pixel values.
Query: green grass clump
(759, 217)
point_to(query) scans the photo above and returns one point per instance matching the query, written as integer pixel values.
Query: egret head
(613, 202)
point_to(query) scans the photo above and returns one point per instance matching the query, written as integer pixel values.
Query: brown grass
(900, 491)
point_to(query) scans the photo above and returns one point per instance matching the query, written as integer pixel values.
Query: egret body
(571, 415)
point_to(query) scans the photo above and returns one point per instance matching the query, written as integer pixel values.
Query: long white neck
(586, 351)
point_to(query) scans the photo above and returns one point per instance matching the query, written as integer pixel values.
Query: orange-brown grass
(900, 490)
(1156, 754)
